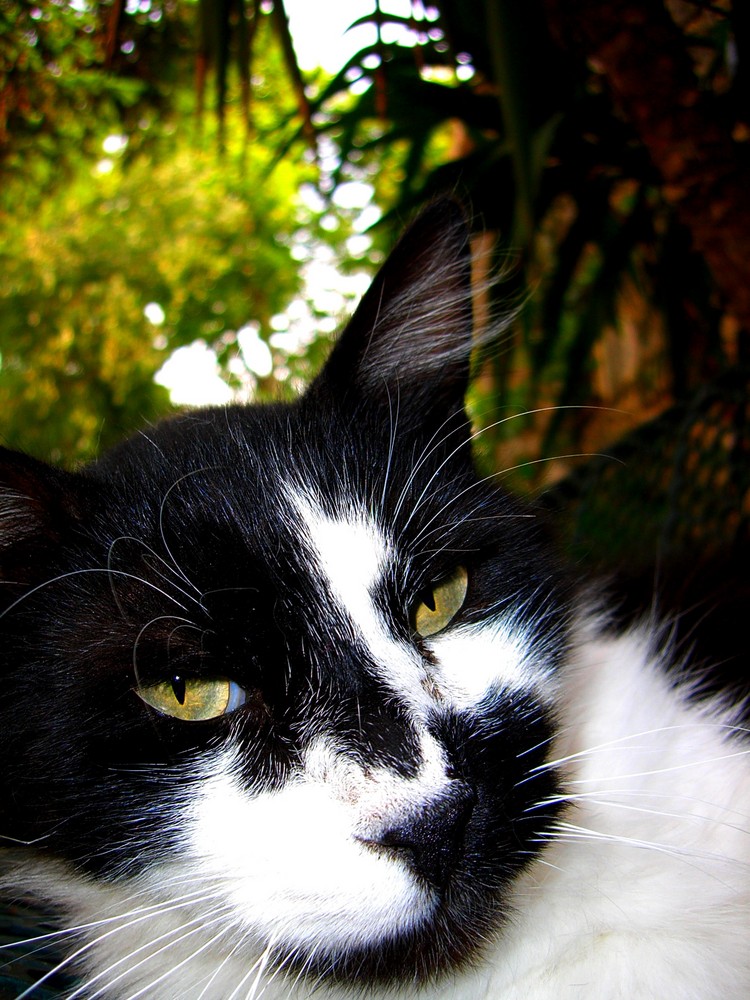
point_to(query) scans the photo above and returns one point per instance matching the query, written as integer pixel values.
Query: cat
(295, 702)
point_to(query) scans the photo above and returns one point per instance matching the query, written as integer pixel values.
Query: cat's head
(291, 668)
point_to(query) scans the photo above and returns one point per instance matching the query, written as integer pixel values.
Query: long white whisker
(435, 441)
(101, 921)
(572, 832)
(624, 741)
(392, 434)
(483, 430)
(139, 915)
(162, 507)
(494, 475)
(183, 932)
(83, 572)
(595, 798)
(238, 945)
(159, 618)
(256, 971)
(173, 570)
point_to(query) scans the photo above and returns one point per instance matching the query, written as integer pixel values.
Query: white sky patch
(114, 144)
(352, 194)
(192, 377)
(320, 31)
(154, 313)
(255, 352)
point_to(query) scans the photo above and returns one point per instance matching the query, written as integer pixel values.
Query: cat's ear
(37, 505)
(407, 347)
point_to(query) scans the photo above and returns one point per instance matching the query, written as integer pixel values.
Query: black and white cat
(293, 702)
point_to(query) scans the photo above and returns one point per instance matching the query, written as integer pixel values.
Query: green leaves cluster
(55, 92)
(197, 238)
(90, 239)
(513, 106)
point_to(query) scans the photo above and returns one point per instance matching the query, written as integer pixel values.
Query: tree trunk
(643, 56)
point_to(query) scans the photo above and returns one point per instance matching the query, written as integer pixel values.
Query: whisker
(392, 434)
(162, 509)
(238, 945)
(257, 969)
(140, 915)
(196, 925)
(84, 572)
(572, 832)
(435, 442)
(594, 798)
(497, 423)
(646, 748)
(186, 623)
(174, 570)
(495, 475)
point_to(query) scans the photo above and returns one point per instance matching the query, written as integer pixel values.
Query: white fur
(352, 555)
(475, 659)
(646, 891)
(295, 863)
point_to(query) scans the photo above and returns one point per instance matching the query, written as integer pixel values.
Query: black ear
(37, 507)
(409, 342)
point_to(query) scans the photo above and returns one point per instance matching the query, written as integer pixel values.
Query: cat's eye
(440, 603)
(193, 699)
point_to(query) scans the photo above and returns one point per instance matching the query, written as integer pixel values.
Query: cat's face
(293, 668)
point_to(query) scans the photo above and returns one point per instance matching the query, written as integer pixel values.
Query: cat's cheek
(474, 661)
(291, 867)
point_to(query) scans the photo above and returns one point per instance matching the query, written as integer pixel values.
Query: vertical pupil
(428, 599)
(178, 688)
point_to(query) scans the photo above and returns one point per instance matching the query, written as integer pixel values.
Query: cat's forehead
(349, 546)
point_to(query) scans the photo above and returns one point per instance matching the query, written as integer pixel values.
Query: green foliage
(88, 240)
(55, 92)
(480, 99)
(197, 238)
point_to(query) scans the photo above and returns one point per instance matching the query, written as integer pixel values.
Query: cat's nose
(431, 838)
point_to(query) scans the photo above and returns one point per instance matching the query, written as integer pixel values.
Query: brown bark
(643, 56)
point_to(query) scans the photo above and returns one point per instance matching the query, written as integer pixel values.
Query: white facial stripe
(352, 554)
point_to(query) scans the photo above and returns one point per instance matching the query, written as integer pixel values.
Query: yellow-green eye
(193, 699)
(441, 603)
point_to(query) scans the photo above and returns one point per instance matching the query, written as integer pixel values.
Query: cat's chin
(302, 879)
(431, 952)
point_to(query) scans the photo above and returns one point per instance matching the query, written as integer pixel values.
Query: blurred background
(193, 194)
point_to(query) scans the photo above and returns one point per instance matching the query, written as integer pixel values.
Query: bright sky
(319, 31)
